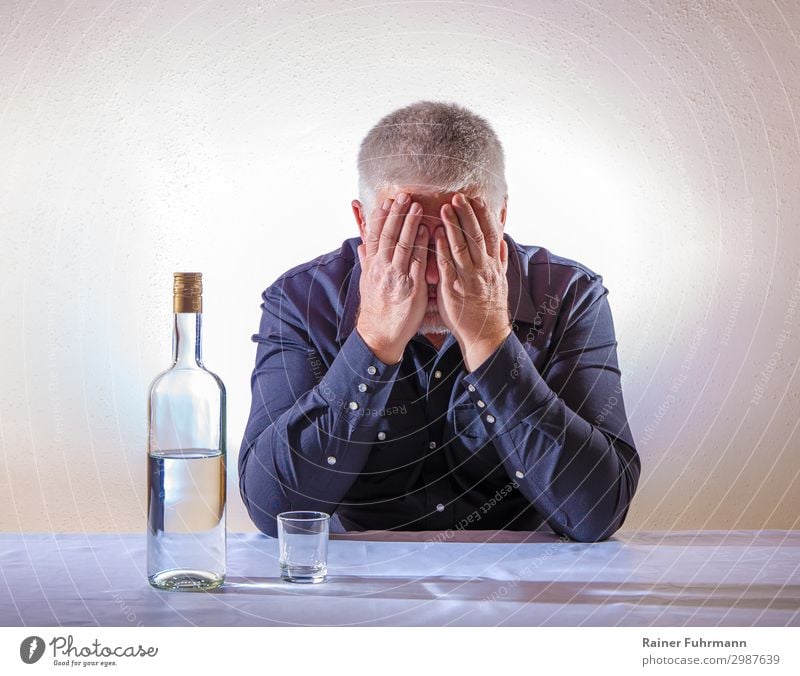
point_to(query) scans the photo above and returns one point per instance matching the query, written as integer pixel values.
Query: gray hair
(442, 145)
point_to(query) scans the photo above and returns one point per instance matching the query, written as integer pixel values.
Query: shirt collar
(520, 303)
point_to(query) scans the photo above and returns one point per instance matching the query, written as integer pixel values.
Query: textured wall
(656, 142)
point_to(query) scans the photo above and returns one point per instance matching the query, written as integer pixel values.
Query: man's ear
(504, 211)
(361, 220)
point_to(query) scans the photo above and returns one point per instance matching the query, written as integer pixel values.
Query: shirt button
(372, 370)
(519, 474)
(490, 418)
(353, 405)
(432, 445)
(331, 460)
(440, 507)
(381, 436)
(471, 387)
(362, 387)
(437, 374)
(480, 403)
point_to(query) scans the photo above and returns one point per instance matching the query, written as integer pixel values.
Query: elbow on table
(589, 534)
(593, 529)
(265, 522)
(608, 516)
(261, 509)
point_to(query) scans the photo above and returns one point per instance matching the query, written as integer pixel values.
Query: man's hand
(394, 295)
(472, 258)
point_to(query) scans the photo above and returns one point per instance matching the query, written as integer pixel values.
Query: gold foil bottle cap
(187, 292)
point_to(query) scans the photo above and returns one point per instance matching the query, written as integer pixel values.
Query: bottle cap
(187, 293)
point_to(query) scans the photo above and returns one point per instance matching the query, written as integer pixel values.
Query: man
(433, 374)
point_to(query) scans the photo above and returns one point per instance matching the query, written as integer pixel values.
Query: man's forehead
(429, 197)
(419, 190)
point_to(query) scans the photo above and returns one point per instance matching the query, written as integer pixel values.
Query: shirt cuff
(507, 388)
(358, 384)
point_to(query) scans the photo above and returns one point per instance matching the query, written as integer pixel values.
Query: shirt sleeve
(310, 428)
(564, 438)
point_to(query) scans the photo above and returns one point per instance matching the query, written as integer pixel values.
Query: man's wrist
(477, 350)
(389, 352)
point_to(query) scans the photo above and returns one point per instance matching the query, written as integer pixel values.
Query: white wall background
(656, 142)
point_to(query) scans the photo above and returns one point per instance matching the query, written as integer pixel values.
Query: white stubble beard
(432, 322)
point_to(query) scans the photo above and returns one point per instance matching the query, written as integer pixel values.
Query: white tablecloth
(710, 578)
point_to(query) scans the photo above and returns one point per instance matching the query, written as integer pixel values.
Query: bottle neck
(186, 345)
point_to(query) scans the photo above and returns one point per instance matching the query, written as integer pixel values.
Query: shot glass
(303, 546)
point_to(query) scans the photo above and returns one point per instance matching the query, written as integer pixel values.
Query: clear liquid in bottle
(186, 518)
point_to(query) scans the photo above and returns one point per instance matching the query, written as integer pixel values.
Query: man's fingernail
(479, 201)
(387, 204)
(402, 198)
(460, 200)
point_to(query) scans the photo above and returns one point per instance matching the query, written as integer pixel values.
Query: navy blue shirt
(537, 434)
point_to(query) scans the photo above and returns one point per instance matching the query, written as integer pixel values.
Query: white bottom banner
(376, 651)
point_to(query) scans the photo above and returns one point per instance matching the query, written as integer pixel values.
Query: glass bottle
(186, 458)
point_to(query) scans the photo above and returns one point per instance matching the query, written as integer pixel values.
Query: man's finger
(470, 227)
(374, 227)
(408, 236)
(392, 227)
(419, 257)
(444, 258)
(492, 233)
(458, 247)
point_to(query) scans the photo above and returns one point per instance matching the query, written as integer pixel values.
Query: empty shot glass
(303, 546)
